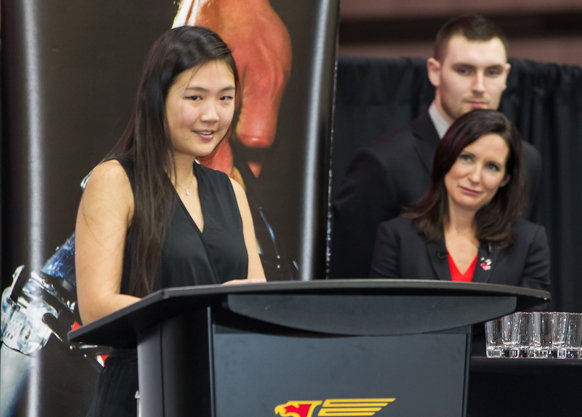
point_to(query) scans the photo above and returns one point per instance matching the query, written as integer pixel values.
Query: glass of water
(573, 338)
(541, 326)
(558, 333)
(498, 334)
(523, 335)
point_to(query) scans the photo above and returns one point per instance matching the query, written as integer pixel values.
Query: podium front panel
(263, 374)
(216, 363)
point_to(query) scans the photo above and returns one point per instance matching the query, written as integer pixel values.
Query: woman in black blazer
(466, 226)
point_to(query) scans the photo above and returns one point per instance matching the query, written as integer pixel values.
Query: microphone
(442, 254)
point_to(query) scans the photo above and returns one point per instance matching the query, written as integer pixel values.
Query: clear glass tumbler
(558, 333)
(498, 336)
(573, 338)
(541, 326)
(493, 339)
(523, 335)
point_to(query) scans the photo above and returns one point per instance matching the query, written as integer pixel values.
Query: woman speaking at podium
(467, 226)
(151, 217)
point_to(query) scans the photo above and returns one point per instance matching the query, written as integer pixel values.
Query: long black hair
(494, 220)
(147, 139)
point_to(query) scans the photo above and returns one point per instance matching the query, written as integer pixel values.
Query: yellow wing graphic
(353, 407)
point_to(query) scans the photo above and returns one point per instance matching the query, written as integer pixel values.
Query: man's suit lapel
(439, 259)
(426, 139)
(486, 262)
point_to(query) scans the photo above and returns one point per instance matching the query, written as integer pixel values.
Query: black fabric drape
(375, 96)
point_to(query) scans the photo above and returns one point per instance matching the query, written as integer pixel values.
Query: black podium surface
(305, 349)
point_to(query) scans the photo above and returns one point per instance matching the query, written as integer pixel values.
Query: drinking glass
(573, 338)
(558, 333)
(493, 339)
(541, 326)
(523, 335)
(498, 335)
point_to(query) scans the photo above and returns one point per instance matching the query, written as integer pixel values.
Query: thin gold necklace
(187, 189)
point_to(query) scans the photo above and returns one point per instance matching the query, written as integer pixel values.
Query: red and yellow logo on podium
(337, 407)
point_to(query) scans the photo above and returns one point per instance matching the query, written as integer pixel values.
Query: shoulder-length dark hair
(147, 138)
(494, 220)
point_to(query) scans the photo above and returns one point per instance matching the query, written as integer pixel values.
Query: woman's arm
(104, 216)
(255, 273)
(386, 255)
(536, 273)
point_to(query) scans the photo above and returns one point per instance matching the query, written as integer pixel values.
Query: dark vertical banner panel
(295, 177)
(71, 70)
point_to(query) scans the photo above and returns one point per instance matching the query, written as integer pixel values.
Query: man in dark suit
(469, 70)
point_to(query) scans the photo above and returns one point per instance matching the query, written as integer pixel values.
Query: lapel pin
(485, 264)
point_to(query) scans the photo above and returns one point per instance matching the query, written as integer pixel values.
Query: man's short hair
(472, 27)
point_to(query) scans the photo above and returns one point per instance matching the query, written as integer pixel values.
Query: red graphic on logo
(297, 408)
(349, 407)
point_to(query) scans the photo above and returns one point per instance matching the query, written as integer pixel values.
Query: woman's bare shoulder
(109, 185)
(108, 175)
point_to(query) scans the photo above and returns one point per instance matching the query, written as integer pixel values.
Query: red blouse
(457, 276)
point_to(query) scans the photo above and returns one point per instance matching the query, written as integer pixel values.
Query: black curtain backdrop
(376, 96)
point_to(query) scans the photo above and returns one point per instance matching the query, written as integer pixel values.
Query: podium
(382, 348)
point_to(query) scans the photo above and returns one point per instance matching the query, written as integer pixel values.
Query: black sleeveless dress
(188, 257)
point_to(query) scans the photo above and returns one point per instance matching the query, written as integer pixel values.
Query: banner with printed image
(70, 75)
